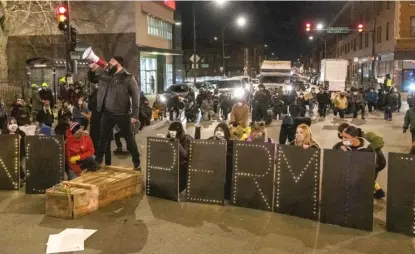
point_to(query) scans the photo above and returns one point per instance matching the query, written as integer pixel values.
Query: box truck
(333, 74)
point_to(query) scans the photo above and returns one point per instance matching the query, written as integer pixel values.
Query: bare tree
(25, 19)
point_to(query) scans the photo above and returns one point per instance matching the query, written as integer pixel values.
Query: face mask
(219, 134)
(172, 134)
(299, 137)
(13, 127)
(371, 91)
(354, 93)
(301, 96)
(347, 142)
(239, 104)
(257, 136)
(113, 69)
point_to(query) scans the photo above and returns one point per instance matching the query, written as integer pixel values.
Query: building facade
(386, 45)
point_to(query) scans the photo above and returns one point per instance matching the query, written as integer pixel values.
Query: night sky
(280, 25)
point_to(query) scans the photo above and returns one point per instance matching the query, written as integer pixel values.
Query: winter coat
(240, 114)
(21, 114)
(409, 120)
(62, 113)
(45, 117)
(391, 100)
(294, 110)
(313, 144)
(357, 99)
(372, 96)
(262, 97)
(340, 103)
(279, 106)
(301, 103)
(267, 140)
(184, 144)
(36, 101)
(323, 98)
(46, 95)
(82, 147)
(207, 105)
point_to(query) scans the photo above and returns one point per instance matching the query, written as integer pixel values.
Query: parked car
(234, 87)
(179, 89)
(205, 85)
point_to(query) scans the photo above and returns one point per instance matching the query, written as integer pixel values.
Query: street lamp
(215, 38)
(272, 53)
(241, 22)
(311, 38)
(320, 26)
(266, 45)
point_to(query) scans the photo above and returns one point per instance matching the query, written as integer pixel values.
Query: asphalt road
(144, 224)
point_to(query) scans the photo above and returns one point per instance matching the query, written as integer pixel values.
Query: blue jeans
(88, 163)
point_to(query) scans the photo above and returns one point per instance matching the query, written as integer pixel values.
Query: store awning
(160, 51)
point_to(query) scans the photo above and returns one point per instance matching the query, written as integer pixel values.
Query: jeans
(357, 108)
(322, 108)
(388, 113)
(71, 175)
(108, 121)
(88, 163)
(371, 106)
(117, 138)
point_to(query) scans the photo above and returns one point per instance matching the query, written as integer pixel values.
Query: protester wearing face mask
(81, 114)
(354, 139)
(372, 99)
(304, 137)
(258, 134)
(323, 100)
(45, 116)
(301, 105)
(176, 132)
(391, 104)
(240, 113)
(117, 95)
(358, 103)
(207, 108)
(261, 104)
(64, 111)
(145, 113)
(340, 105)
(79, 151)
(21, 112)
(12, 128)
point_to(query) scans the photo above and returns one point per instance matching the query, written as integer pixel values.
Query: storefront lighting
(178, 23)
(411, 87)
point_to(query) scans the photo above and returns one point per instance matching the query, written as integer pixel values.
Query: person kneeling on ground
(374, 144)
(240, 113)
(304, 137)
(207, 108)
(176, 131)
(258, 134)
(79, 151)
(145, 114)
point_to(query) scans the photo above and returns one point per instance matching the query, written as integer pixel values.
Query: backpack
(376, 141)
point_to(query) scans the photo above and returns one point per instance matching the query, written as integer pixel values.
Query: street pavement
(143, 224)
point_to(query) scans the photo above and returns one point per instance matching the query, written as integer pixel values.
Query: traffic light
(74, 39)
(360, 28)
(63, 17)
(308, 27)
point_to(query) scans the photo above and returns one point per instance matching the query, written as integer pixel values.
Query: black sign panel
(9, 162)
(400, 213)
(297, 182)
(347, 189)
(206, 172)
(45, 162)
(253, 175)
(163, 168)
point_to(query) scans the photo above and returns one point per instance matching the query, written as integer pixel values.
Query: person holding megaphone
(117, 101)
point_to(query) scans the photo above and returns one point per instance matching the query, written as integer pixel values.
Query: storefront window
(158, 27)
(148, 75)
(408, 79)
(169, 76)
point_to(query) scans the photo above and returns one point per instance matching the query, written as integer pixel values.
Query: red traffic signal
(360, 28)
(308, 27)
(62, 12)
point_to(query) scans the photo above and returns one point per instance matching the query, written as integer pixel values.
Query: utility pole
(373, 41)
(194, 43)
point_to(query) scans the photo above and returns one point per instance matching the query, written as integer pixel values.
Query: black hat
(119, 59)
(75, 127)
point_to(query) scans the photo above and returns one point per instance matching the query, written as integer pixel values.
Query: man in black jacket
(117, 95)
(391, 103)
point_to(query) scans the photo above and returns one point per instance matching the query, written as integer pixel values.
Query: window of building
(379, 34)
(360, 41)
(169, 76)
(158, 27)
(148, 68)
(387, 31)
(388, 7)
(366, 40)
(413, 26)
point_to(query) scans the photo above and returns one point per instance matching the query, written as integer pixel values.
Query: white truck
(334, 73)
(275, 74)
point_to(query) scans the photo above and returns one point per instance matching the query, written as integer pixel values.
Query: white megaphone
(90, 56)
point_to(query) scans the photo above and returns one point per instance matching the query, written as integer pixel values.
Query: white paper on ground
(65, 243)
(86, 233)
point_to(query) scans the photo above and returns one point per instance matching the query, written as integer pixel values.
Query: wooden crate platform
(91, 191)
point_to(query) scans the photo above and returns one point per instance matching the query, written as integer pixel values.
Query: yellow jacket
(340, 103)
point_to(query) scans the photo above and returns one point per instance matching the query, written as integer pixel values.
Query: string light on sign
(312, 163)
(15, 168)
(409, 160)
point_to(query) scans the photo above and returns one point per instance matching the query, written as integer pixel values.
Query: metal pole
(194, 43)
(373, 40)
(325, 49)
(223, 52)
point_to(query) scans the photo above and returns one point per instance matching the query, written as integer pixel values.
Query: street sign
(194, 58)
(75, 56)
(80, 49)
(338, 30)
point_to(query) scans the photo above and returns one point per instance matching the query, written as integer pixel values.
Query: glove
(74, 159)
(404, 130)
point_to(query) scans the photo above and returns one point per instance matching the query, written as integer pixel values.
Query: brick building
(386, 46)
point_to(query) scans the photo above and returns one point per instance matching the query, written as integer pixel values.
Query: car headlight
(163, 98)
(411, 87)
(238, 93)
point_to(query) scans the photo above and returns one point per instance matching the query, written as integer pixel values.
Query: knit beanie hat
(75, 127)
(119, 59)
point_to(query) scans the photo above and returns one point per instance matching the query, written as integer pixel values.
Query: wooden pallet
(92, 191)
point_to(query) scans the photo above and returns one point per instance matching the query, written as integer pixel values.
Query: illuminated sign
(170, 4)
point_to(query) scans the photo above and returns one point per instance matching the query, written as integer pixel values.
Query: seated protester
(45, 130)
(340, 104)
(207, 108)
(144, 114)
(12, 128)
(304, 137)
(79, 151)
(81, 114)
(45, 115)
(176, 131)
(64, 111)
(240, 113)
(222, 132)
(63, 126)
(375, 146)
(258, 134)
